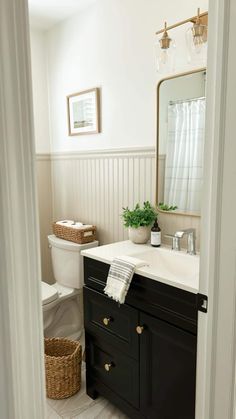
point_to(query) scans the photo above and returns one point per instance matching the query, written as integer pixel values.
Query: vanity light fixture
(196, 39)
(165, 52)
(165, 39)
(199, 31)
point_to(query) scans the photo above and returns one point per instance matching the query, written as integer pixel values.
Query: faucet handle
(191, 234)
(183, 231)
(175, 241)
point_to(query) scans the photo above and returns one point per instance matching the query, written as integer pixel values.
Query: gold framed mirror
(180, 142)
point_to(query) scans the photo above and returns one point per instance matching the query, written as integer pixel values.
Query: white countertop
(189, 282)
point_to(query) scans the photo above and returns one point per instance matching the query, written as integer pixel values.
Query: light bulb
(165, 59)
(165, 48)
(196, 44)
(196, 39)
(164, 56)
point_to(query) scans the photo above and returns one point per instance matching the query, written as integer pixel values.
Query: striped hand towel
(120, 276)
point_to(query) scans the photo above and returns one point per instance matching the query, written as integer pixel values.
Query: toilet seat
(55, 293)
(49, 293)
(64, 292)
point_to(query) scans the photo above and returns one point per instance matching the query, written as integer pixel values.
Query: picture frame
(83, 109)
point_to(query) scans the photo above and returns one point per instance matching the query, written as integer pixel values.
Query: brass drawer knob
(107, 367)
(106, 320)
(139, 329)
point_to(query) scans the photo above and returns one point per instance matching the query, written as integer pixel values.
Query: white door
(216, 334)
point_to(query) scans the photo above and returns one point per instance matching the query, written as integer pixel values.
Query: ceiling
(46, 13)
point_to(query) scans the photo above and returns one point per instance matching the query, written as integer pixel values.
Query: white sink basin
(163, 264)
(170, 265)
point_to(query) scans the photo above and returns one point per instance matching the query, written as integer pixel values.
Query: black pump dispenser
(155, 235)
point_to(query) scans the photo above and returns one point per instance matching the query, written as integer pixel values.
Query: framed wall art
(84, 112)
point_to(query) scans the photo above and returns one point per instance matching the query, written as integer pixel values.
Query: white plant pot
(140, 235)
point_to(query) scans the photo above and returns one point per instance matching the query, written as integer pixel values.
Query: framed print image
(83, 112)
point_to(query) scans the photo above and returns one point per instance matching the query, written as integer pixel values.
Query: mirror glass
(180, 142)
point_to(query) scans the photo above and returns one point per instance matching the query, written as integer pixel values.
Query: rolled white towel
(78, 224)
(82, 226)
(67, 223)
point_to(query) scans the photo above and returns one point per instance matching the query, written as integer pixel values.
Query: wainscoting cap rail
(43, 156)
(131, 151)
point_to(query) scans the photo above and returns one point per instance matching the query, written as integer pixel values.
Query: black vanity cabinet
(141, 355)
(167, 370)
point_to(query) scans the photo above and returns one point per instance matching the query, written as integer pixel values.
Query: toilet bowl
(62, 302)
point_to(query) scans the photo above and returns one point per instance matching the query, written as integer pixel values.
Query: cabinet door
(167, 370)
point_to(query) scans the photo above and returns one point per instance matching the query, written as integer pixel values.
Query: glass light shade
(196, 41)
(165, 57)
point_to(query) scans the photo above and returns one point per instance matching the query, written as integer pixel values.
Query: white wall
(40, 90)
(111, 45)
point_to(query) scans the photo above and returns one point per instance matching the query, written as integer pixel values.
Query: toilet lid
(49, 293)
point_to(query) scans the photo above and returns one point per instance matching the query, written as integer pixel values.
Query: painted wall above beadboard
(110, 45)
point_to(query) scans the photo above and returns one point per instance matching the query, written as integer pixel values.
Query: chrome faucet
(175, 242)
(190, 232)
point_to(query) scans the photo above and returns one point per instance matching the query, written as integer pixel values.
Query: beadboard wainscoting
(93, 187)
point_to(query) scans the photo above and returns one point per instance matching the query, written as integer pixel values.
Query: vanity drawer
(95, 273)
(113, 368)
(106, 319)
(166, 302)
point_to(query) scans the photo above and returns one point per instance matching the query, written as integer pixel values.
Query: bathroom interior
(122, 151)
(145, 93)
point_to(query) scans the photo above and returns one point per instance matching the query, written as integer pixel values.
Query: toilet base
(64, 319)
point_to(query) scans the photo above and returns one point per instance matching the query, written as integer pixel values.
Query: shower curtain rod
(173, 102)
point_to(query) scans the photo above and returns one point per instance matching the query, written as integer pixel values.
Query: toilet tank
(67, 261)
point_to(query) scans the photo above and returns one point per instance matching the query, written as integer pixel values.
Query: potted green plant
(139, 221)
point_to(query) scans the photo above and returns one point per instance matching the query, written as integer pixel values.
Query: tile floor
(80, 406)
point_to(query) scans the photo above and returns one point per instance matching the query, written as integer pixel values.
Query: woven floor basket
(80, 236)
(63, 367)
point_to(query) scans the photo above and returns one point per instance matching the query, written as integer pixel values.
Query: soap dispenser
(155, 235)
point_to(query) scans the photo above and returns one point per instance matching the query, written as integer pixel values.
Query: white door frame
(21, 335)
(216, 333)
(22, 389)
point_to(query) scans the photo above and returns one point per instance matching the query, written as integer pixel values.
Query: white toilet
(63, 301)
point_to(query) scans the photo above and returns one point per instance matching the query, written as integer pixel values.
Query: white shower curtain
(184, 156)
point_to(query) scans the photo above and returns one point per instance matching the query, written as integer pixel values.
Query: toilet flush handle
(49, 246)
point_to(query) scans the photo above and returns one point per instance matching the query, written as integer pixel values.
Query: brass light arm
(202, 16)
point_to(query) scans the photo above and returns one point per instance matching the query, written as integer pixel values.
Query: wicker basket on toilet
(80, 235)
